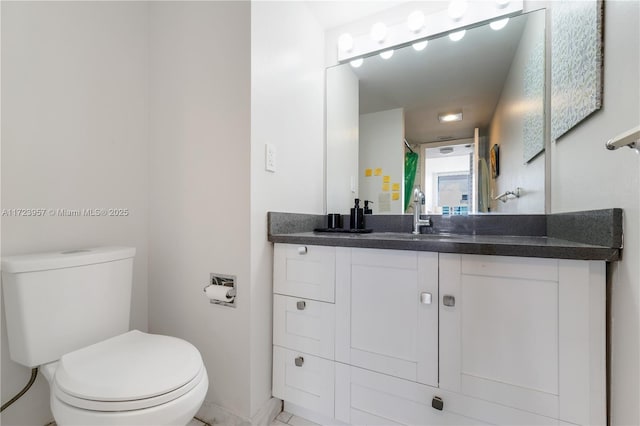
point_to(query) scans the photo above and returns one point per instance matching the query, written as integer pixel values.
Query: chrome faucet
(418, 202)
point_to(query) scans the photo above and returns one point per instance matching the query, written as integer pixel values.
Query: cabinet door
(367, 398)
(304, 271)
(509, 332)
(387, 317)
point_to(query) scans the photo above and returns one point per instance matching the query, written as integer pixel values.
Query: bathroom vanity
(438, 329)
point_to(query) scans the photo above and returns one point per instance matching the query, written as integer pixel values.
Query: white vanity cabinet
(435, 339)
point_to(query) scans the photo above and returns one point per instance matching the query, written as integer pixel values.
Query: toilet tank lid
(65, 259)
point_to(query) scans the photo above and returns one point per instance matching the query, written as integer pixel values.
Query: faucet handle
(418, 195)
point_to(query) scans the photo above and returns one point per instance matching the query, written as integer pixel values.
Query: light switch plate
(270, 158)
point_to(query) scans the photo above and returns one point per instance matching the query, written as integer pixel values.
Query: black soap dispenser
(367, 209)
(357, 216)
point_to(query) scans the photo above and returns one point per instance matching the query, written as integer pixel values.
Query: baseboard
(268, 412)
(217, 415)
(311, 415)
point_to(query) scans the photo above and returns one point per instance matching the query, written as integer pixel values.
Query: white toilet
(68, 312)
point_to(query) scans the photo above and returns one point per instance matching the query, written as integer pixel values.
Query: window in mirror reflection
(448, 179)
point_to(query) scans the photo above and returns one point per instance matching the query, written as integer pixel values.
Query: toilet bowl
(131, 379)
(68, 312)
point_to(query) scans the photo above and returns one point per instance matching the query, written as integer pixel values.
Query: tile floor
(285, 418)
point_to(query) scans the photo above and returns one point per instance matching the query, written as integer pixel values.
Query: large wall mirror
(377, 113)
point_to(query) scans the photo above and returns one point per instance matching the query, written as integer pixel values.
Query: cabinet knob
(448, 300)
(302, 250)
(299, 361)
(425, 298)
(301, 304)
(437, 403)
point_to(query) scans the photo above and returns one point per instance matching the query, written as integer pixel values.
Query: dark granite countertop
(481, 236)
(469, 244)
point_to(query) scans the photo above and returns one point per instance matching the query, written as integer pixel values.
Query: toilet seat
(131, 371)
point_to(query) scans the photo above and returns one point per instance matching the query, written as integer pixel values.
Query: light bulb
(446, 118)
(420, 45)
(457, 36)
(378, 32)
(415, 21)
(357, 62)
(498, 25)
(457, 8)
(345, 42)
(386, 54)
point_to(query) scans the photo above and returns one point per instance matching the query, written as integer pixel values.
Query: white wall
(74, 132)
(506, 130)
(343, 108)
(199, 188)
(149, 109)
(381, 146)
(287, 110)
(586, 176)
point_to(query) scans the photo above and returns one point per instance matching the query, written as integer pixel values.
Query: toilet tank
(59, 302)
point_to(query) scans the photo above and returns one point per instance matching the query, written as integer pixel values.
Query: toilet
(68, 313)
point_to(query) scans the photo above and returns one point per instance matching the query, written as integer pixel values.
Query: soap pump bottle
(357, 216)
(367, 209)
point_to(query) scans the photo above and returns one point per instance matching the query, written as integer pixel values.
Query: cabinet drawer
(304, 380)
(304, 325)
(304, 271)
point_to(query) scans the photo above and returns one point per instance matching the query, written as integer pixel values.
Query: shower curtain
(410, 167)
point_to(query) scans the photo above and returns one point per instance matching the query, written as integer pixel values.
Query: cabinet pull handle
(437, 403)
(448, 300)
(302, 250)
(299, 361)
(301, 304)
(425, 298)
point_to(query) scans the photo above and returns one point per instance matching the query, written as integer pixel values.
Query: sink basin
(414, 237)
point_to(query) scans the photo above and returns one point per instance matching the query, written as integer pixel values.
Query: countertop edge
(560, 251)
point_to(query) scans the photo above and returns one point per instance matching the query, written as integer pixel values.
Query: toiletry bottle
(367, 209)
(357, 216)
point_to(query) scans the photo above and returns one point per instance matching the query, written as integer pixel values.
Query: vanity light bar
(438, 23)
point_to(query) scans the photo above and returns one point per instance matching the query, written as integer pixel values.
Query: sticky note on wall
(368, 172)
(395, 196)
(386, 179)
(385, 187)
(395, 187)
(378, 171)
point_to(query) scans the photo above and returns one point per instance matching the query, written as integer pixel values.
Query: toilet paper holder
(227, 281)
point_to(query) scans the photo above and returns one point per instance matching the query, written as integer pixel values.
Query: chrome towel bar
(630, 138)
